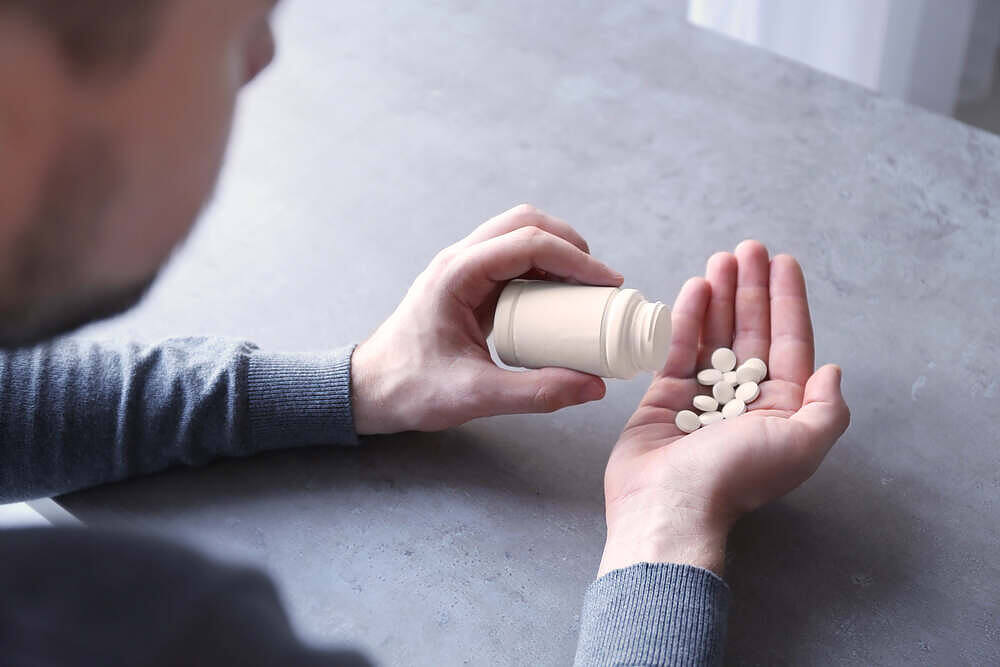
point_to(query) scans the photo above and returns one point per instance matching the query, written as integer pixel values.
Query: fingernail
(838, 373)
(592, 391)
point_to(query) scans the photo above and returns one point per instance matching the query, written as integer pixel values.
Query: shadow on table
(825, 585)
(531, 460)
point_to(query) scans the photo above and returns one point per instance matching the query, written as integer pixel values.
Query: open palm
(664, 487)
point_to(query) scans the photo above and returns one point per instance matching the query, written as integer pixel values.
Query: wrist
(670, 538)
(368, 400)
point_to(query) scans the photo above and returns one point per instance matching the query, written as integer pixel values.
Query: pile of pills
(732, 389)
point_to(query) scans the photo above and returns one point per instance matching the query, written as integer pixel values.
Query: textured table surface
(388, 129)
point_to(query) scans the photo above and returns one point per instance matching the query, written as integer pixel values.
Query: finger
(823, 417)
(752, 324)
(542, 390)
(475, 271)
(718, 330)
(791, 354)
(524, 215)
(487, 310)
(686, 320)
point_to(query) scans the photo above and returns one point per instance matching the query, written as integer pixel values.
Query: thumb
(542, 390)
(824, 415)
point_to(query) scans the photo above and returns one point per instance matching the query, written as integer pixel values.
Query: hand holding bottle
(428, 367)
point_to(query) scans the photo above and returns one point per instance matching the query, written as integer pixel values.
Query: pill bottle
(607, 331)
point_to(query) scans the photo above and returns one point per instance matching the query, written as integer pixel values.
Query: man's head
(114, 116)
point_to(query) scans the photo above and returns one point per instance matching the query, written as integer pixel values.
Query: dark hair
(94, 35)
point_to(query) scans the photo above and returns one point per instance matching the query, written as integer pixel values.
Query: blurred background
(938, 54)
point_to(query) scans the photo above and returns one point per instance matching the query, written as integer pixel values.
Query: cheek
(172, 162)
(195, 152)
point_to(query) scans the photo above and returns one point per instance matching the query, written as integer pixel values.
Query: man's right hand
(428, 367)
(673, 497)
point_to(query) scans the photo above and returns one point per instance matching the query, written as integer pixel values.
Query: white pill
(724, 359)
(710, 418)
(687, 421)
(705, 403)
(723, 392)
(709, 376)
(748, 392)
(751, 370)
(729, 377)
(733, 408)
(746, 374)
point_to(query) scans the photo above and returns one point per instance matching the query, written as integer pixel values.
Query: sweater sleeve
(654, 614)
(76, 413)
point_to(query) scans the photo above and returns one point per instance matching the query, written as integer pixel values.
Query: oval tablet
(748, 392)
(746, 374)
(729, 377)
(687, 421)
(724, 359)
(705, 403)
(710, 418)
(723, 392)
(733, 408)
(709, 376)
(751, 370)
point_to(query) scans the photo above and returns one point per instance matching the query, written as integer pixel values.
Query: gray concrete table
(388, 129)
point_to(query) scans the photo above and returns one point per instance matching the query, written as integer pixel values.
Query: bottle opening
(652, 331)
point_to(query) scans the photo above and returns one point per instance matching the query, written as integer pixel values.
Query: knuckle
(528, 215)
(445, 256)
(452, 272)
(532, 233)
(545, 400)
(447, 268)
(525, 210)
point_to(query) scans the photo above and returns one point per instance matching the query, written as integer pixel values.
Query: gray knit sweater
(77, 413)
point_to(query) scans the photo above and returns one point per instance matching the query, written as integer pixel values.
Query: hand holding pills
(742, 355)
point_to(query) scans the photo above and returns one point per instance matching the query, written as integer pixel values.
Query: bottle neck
(650, 336)
(637, 334)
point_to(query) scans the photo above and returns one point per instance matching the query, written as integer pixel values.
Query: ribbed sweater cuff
(300, 399)
(654, 614)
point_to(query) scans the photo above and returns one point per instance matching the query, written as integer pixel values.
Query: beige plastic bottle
(606, 331)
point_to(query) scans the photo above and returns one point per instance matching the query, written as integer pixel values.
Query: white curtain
(915, 50)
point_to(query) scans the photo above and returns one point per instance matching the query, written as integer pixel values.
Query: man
(113, 120)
